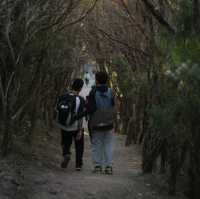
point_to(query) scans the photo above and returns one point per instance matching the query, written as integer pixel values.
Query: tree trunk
(5, 129)
(196, 15)
(7, 137)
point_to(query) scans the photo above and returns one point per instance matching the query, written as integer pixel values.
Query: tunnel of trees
(151, 50)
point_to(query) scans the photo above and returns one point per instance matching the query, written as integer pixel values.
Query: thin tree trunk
(196, 15)
(7, 136)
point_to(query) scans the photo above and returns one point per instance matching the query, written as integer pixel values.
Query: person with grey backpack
(101, 109)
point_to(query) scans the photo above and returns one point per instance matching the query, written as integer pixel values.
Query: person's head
(77, 85)
(101, 78)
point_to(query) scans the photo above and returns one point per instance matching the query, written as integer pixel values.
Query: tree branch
(158, 16)
(122, 43)
(142, 30)
(2, 90)
(81, 18)
(21, 108)
(9, 84)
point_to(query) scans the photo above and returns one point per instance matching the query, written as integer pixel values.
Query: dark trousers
(67, 138)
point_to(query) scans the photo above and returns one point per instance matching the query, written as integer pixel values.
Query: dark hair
(77, 84)
(101, 77)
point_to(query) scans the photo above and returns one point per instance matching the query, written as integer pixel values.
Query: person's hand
(79, 134)
(115, 130)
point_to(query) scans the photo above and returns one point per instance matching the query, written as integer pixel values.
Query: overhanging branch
(81, 18)
(121, 42)
(158, 16)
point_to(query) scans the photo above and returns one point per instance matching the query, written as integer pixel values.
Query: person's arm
(116, 125)
(91, 103)
(82, 110)
(80, 118)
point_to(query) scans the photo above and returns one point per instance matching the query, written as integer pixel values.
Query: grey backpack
(103, 118)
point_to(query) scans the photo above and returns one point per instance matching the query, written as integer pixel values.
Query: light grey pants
(102, 148)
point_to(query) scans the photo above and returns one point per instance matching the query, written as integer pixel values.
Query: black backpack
(66, 106)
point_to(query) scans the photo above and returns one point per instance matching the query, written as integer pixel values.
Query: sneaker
(97, 169)
(65, 162)
(108, 170)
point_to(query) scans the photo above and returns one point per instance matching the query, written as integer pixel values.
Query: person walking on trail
(100, 107)
(69, 106)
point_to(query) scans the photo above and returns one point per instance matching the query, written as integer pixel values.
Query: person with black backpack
(69, 107)
(101, 109)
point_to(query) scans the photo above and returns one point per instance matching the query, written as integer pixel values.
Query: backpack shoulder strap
(82, 103)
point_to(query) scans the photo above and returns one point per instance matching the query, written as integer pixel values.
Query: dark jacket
(91, 103)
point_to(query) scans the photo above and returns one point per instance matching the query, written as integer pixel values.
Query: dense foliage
(174, 119)
(40, 51)
(151, 51)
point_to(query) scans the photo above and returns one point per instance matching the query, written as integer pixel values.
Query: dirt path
(44, 179)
